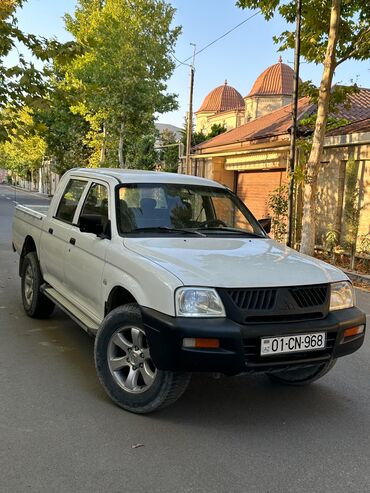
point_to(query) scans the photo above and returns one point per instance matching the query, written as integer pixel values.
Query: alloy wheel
(129, 360)
(28, 285)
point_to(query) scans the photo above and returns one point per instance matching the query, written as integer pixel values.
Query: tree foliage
(94, 101)
(354, 31)
(169, 153)
(63, 131)
(121, 75)
(24, 150)
(22, 83)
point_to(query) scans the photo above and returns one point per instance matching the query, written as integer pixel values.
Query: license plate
(293, 343)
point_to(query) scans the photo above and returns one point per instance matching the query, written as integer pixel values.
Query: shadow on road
(251, 401)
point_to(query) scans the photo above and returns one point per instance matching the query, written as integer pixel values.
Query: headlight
(341, 295)
(198, 302)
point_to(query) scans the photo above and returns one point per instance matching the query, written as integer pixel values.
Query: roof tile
(352, 128)
(275, 80)
(275, 123)
(222, 98)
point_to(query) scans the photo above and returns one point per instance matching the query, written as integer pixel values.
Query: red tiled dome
(223, 98)
(275, 80)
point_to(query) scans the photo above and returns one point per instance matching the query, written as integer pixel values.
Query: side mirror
(265, 224)
(91, 223)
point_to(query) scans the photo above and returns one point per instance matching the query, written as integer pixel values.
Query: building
(252, 156)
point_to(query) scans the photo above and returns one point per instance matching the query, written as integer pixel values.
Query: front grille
(252, 348)
(310, 296)
(253, 299)
(273, 305)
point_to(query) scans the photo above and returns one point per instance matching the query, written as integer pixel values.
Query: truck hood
(233, 262)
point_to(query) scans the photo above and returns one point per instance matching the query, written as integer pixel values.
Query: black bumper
(240, 344)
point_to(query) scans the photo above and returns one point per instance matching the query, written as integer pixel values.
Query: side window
(70, 200)
(96, 202)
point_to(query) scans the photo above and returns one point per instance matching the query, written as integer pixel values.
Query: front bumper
(240, 344)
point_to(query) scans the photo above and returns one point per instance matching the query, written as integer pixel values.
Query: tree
(141, 153)
(199, 137)
(23, 84)
(24, 150)
(64, 132)
(216, 129)
(170, 151)
(332, 32)
(122, 73)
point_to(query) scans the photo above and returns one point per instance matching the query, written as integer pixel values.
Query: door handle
(72, 241)
(51, 231)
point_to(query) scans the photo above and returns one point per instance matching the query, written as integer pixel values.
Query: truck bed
(28, 221)
(38, 211)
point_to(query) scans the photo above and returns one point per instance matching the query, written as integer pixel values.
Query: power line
(217, 39)
(179, 61)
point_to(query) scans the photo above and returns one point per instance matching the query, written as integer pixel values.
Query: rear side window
(96, 202)
(70, 200)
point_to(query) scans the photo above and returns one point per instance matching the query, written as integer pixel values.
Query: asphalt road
(60, 433)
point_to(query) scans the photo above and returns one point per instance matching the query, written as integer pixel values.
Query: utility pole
(293, 133)
(189, 129)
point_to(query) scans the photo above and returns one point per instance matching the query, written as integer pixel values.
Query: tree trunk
(120, 147)
(314, 160)
(103, 144)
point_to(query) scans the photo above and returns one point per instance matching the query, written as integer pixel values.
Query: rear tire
(301, 376)
(35, 304)
(124, 366)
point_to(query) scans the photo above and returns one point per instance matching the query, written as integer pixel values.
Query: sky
(239, 57)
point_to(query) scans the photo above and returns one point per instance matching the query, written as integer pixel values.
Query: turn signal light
(353, 331)
(200, 343)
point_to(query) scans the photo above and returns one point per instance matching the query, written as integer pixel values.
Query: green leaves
(22, 84)
(96, 97)
(24, 148)
(354, 30)
(122, 70)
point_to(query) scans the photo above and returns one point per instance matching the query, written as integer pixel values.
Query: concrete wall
(364, 173)
(215, 170)
(3, 175)
(332, 190)
(201, 121)
(229, 119)
(256, 106)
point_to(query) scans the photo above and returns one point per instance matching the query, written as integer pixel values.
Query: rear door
(85, 256)
(57, 233)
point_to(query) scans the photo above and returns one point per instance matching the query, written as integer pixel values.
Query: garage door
(254, 189)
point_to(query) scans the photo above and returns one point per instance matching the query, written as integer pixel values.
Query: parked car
(174, 275)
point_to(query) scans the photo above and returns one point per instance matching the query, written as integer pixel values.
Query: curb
(355, 276)
(32, 192)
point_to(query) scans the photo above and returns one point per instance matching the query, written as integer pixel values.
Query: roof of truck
(145, 176)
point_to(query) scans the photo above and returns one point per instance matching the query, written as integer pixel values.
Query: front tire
(35, 304)
(124, 366)
(302, 376)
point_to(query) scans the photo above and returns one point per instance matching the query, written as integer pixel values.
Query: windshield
(166, 208)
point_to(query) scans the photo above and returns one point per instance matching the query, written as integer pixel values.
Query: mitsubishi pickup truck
(172, 274)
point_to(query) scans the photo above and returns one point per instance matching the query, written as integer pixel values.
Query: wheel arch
(29, 246)
(118, 296)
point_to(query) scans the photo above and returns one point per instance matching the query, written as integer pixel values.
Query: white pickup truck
(173, 275)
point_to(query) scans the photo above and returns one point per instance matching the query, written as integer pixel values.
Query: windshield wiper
(232, 230)
(165, 229)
